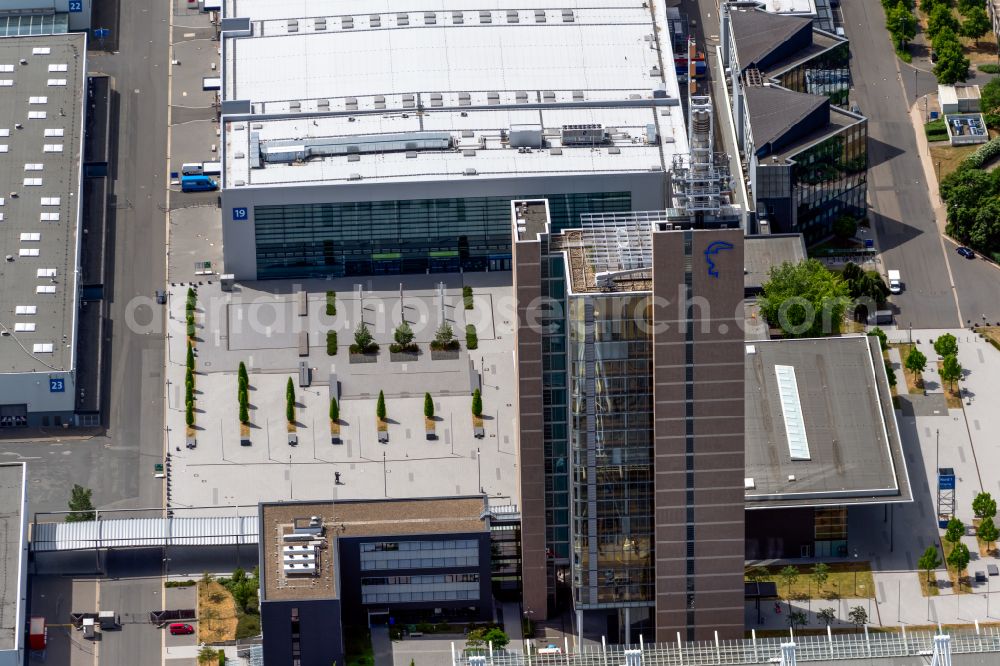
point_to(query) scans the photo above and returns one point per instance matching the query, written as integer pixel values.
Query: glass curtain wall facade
(403, 236)
(555, 408)
(829, 180)
(610, 350)
(827, 74)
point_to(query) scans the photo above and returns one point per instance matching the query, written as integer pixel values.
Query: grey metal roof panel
(761, 253)
(773, 111)
(138, 532)
(758, 33)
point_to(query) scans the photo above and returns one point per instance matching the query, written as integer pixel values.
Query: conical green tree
(428, 405)
(242, 374)
(190, 356)
(477, 403)
(334, 410)
(380, 406)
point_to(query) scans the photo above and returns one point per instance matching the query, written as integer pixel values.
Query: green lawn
(843, 578)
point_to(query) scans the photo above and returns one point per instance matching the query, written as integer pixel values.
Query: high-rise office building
(633, 322)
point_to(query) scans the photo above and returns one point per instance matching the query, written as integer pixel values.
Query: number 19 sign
(239, 214)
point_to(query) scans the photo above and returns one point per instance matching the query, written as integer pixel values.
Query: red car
(178, 629)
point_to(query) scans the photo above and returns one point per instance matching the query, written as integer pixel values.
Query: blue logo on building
(57, 385)
(239, 214)
(713, 249)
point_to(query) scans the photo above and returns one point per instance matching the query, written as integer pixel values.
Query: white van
(192, 169)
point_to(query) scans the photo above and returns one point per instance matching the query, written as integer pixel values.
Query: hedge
(331, 343)
(471, 337)
(467, 297)
(985, 153)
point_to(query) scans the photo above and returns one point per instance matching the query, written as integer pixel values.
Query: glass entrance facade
(403, 236)
(611, 408)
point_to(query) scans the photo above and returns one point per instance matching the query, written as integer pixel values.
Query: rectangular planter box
(363, 358)
(383, 436)
(445, 355)
(405, 357)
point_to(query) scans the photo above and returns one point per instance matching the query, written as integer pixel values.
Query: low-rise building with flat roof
(325, 566)
(403, 158)
(14, 574)
(42, 80)
(821, 435)
(762, 253)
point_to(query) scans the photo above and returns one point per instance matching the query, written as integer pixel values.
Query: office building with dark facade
(404, 158)
(630, 417)
(325, 566)
(803, 156)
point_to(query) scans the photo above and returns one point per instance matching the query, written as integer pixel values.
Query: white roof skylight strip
(791, 409)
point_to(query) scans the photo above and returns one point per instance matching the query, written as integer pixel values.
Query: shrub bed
(471, 337)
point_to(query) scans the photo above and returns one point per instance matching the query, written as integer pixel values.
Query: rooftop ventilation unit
(286, 150)
(525, 136)
(582, 135)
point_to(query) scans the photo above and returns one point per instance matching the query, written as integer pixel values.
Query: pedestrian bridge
(144, 533)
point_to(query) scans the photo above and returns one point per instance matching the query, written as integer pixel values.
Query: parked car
(181, 629)
(966, 252)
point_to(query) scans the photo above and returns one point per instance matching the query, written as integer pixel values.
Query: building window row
(393, 546)
(404, 597)
(422, 580)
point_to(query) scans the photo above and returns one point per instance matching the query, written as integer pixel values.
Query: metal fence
(864, 645)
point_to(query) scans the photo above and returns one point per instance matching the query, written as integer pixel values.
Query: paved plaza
(260, 324)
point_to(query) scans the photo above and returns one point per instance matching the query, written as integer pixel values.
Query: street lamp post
(479, 468)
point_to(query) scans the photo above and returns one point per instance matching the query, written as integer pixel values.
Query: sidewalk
(923, 149)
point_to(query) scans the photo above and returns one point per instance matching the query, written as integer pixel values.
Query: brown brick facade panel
(531, 462)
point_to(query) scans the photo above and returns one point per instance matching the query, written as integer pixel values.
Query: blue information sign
(76, 5)
(239, 214)
(57, 385)
(946, 481)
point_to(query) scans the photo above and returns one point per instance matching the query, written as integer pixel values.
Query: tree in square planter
(429, 424)
(364, 343)
(444, 345)
(403, 348)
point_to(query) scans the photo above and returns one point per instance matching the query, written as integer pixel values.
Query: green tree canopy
(940, 18)
(915, 361)
(858, 615)
(788, 576)
(80, 500)
(334, 410)
(989, 97)
(984, 506)
(477, 403)
(976, 23)
(946, 345)
(902, 25)
(890, 373)
(987, 531)
(403, 334)
(362, 336)
(826, 615)
(951, 370)
(428, 405)
(952, 65)
(954, 531)
(959, 557)
(380, 406)
(804, 299)
(929, 561)
(883, 339)
(820, 574)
